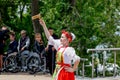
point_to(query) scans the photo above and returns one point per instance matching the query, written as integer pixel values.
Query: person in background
(51, 52)
(23, 50)
(12, 47)
(96, 62)
(4, 35)
(24, 41)
(65, 55)
(38, 46)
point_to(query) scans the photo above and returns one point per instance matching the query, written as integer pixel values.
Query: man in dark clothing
(51, 53)
(24, 41)
(3, 37)
(23, 49)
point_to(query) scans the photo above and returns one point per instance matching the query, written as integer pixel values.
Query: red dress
(60, 73)
(64, 75)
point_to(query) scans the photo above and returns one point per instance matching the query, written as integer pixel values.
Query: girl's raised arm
(45, 28)
(55, 43)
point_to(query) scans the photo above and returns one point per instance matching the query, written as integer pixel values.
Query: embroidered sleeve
(72, 54)
(54, 42)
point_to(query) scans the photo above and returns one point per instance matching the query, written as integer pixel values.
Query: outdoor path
(99, 78)
(39, 76)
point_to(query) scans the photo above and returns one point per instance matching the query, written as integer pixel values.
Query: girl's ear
(69, 39)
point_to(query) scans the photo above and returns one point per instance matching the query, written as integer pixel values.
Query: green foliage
(92, 21)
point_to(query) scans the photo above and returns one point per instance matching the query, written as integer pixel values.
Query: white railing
(105, 49)
(83, 66)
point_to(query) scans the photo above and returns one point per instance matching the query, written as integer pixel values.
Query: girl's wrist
(74, 69)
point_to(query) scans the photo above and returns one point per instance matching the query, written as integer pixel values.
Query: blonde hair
(23, 31)
(38, 35)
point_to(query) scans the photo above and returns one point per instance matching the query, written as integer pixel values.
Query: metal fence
(105, 49)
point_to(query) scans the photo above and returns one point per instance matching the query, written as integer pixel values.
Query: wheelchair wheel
(43, 65)
(10, 64)
(33, 64)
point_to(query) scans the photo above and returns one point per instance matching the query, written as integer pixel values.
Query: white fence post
(114, 63)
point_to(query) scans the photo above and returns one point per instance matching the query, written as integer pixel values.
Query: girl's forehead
(63, 35)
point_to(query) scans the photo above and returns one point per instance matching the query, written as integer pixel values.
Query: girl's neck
(65, 45)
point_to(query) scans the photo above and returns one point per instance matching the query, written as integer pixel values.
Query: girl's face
(64, 40)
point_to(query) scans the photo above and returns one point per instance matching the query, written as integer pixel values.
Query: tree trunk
(0, 19)
(21, 10)
(35, 10)
(72, 2)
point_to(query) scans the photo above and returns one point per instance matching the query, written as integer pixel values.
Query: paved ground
(99, 78)
(24, 76)
(39, 76)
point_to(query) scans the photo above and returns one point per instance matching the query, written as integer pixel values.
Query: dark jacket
(3, 36)
(38, 48)
(24, 42)
(12, 47)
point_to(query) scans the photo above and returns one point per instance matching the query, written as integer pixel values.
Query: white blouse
(69, 54)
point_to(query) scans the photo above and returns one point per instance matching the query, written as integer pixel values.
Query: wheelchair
(37, 62)
(9, 63)
(25, 61)
(16, 63)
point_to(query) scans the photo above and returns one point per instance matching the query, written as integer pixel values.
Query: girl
(65, 55)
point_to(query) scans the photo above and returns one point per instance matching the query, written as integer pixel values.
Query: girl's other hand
(69, 69)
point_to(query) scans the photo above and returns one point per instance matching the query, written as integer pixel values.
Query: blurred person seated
(24, 41)
(23, 50)
(12, 47)
(38, 46)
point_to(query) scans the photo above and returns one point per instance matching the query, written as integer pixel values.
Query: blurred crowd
(23, 43)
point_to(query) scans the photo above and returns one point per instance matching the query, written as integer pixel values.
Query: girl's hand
(42, 22)
(69, 69)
